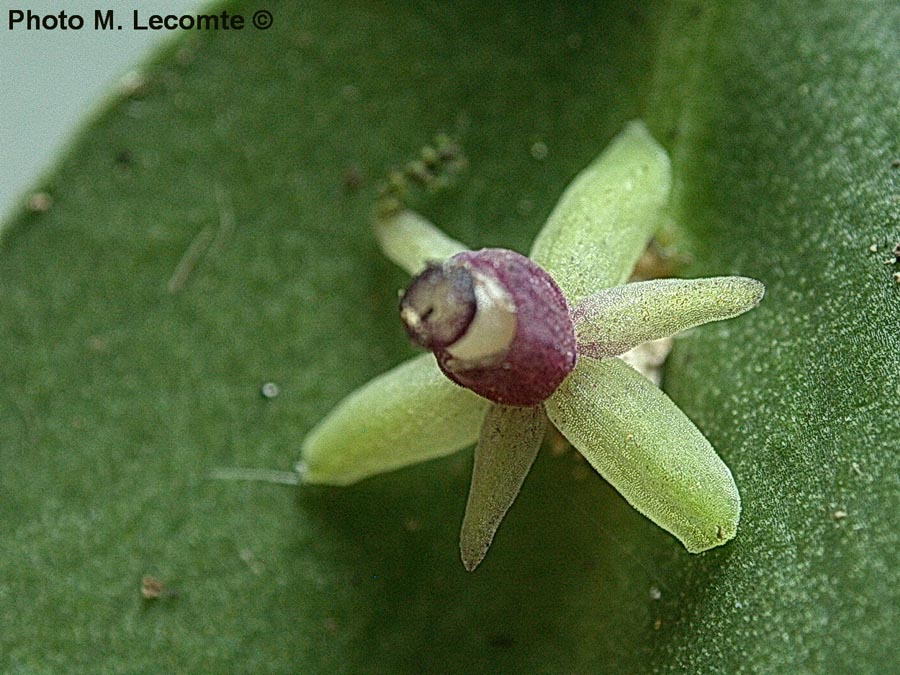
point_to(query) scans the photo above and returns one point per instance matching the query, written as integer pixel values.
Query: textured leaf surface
(784, 137)
(118, 397)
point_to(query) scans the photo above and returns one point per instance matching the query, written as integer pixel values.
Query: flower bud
(497, 323)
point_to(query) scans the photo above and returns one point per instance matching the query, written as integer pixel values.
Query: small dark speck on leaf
(155, 589)
(353, 178)
(303, 39)
(539, 150)
(123, 160)
(524, 206)
(350, 93)
(249, 559)
(97, 343)
(501, 641)
(39, 202)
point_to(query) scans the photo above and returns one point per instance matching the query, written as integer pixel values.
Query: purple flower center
(497, 323)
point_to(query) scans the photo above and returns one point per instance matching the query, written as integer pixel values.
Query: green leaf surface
(119, 396)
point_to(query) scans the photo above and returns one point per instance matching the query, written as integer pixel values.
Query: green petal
(411, 241)
(617, 319)
(409, 414)
(606, 216)
(642, 443)
(509, 442)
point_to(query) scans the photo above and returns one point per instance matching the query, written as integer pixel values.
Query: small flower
(535, 339)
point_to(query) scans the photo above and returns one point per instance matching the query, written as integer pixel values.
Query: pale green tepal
(628, 430)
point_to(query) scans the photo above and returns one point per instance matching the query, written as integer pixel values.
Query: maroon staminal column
(497, 323)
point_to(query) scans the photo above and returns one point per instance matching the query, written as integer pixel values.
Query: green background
(118, 397)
